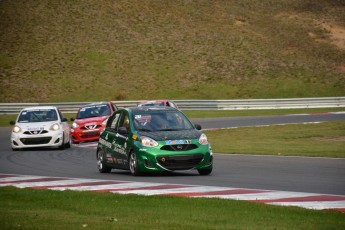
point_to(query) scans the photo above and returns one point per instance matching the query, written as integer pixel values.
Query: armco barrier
(290, 103)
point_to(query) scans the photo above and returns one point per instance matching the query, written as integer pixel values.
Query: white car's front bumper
(49, 139)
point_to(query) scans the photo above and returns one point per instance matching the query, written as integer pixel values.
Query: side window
(124, 122)
(111, 124)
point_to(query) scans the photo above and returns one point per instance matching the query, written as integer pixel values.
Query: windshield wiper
(168, 129)
(145, 130)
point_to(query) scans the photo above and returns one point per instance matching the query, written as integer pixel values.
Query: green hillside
(74, 50)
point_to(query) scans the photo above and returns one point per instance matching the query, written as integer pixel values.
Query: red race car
(90, 121)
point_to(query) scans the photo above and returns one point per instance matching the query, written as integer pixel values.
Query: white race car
(41, 126)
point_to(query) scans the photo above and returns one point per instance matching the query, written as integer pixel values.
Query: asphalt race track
(227, 122)
(294, 174)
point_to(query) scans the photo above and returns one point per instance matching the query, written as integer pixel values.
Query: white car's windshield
(38, 115)
(161, 121)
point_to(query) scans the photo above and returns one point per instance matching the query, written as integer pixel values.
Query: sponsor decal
(177, 142)
(35, 128)
(109, 158)
(105, 143)
(134, 137)
(119, 148)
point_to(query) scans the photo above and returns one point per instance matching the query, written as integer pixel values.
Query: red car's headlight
(75, 125)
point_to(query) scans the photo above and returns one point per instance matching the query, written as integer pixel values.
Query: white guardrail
(246, 104)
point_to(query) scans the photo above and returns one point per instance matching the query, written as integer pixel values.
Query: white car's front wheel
(62, 146)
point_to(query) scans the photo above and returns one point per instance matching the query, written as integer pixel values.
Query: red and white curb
(299, 199)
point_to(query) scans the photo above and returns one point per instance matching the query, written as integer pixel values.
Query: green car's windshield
(150, 121)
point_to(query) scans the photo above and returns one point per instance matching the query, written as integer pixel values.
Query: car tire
(102, 168)
(133, 164)
(68, 144)
(62, 146)
(205, 171)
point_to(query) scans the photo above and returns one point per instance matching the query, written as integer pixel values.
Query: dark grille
(90, 127)
(183, 147)
(35, 132)
(35, 141)
(90, 134)
(180, 162)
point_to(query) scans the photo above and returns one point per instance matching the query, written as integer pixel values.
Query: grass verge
(314, 140)
(46, 209)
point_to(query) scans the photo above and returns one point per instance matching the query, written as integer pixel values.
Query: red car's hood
(86, 121)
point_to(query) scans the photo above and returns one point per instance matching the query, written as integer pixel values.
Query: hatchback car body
(153, 139)
(42, 126)
(158, 103)
(90, 121)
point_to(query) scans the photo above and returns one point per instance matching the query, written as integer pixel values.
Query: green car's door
(120, 144)
(107, 139)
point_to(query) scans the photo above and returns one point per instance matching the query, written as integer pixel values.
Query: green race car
(153, 139)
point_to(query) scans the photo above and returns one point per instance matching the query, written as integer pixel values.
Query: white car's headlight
(16, 129)
(148, 142)
(75, 125)
(203, 139)
(55, 127)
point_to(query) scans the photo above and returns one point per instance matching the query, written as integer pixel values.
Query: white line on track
(284, 198)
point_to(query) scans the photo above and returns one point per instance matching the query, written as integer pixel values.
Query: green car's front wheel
(100, 162)
(133, 164)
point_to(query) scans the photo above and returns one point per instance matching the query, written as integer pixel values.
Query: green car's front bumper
(164, 157)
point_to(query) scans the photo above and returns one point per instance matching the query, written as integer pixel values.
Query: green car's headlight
(148, 142)
(203, 139)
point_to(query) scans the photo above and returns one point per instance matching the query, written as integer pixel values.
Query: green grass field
(184, 49)
(311, 140)
(44, 209)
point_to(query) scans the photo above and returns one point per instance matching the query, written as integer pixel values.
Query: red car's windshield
(94, 111)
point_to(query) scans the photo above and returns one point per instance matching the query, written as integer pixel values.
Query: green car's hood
(172, 135)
